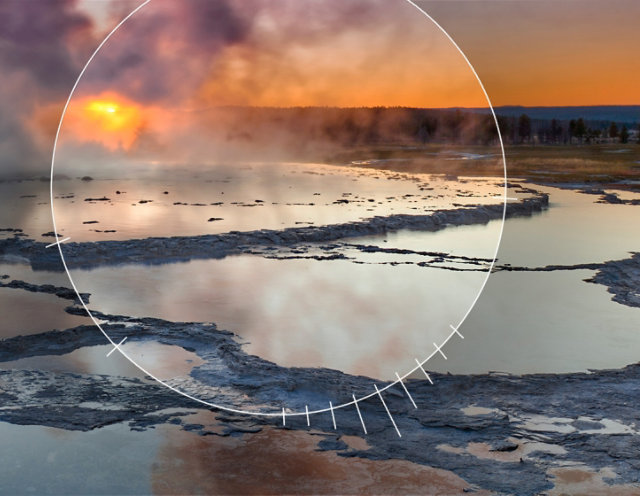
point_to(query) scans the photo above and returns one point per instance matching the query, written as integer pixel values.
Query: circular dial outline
(377, 391)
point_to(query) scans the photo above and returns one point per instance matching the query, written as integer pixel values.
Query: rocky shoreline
(502, 433)
(183, 248)
(498, 432)
(622, 278)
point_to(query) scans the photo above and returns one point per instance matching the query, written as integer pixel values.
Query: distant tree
(589, 135)
(427, 129)
(524, 128)
(455, 124)
(572, 130)
(581, 129)
(543, 135)
(504, 123)
(556, 130)
(485, 130)
(593, 135)
(613, 131)
(624, 135)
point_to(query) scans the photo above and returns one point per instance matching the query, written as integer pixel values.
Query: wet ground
(488, 433)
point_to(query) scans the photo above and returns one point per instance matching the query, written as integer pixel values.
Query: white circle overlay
(281, 413)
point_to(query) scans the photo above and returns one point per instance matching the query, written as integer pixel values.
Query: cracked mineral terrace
(499, 432)
(182, 248)
(502, 433)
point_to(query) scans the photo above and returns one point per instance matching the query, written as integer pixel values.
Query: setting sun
(99, 106)
(108, 119)
(113, 116)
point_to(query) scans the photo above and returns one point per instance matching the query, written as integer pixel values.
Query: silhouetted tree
(556, 130)
(581, 129)
(543, 135)
(624, 135)
(524, 127)
(572, 130)
(427, 128)
(593, 135)
(613, 131)
(453, 124)
(505, 127)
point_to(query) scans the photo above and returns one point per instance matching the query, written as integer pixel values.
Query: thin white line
(306, 409)
(425, 372)
(387, 409)
(355, 402)
(438, 348)
(406, 391)
(117, 346)
(284, 422)
(455, 329)
(58, 242)
(333, 417)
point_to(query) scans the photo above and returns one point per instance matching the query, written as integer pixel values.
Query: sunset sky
(548, 52)
(284, 53)
(527, 52)
(165, 71)
(175, 60)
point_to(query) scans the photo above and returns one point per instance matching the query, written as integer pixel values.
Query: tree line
(575, 131)
(405, 126)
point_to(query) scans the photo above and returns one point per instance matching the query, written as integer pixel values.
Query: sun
(112, 116)
(109, 119)
(99, 106)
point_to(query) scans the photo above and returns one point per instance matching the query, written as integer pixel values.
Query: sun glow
(99, 106)
(108, 119)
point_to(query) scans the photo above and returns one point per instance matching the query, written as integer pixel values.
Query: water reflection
(361, 319)
(284, 462)
(106, 461)
(26, 313)
(165, 361)
(251, 197)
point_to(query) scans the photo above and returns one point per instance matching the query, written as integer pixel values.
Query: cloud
(41, 46)
(165, 49)
(174, 60)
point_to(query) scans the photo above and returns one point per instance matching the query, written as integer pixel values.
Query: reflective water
(374, 319)
(165, 361)
(368, 316)
(360, 319)
(26, 313)
(524, 322)
(107, 461)
(250, 197)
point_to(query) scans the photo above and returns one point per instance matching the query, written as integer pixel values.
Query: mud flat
(182, 248)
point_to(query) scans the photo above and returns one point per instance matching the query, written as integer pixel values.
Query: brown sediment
(284, 462)
(587, 482)
(355, 442)
(519, 451)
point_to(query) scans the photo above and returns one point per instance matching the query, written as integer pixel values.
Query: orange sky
(397, 58)
(288, 53)
(360, 53)
(549, 52)
(527, 52)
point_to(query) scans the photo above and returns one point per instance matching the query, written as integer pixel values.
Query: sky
(172, 62)
(548, 52)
